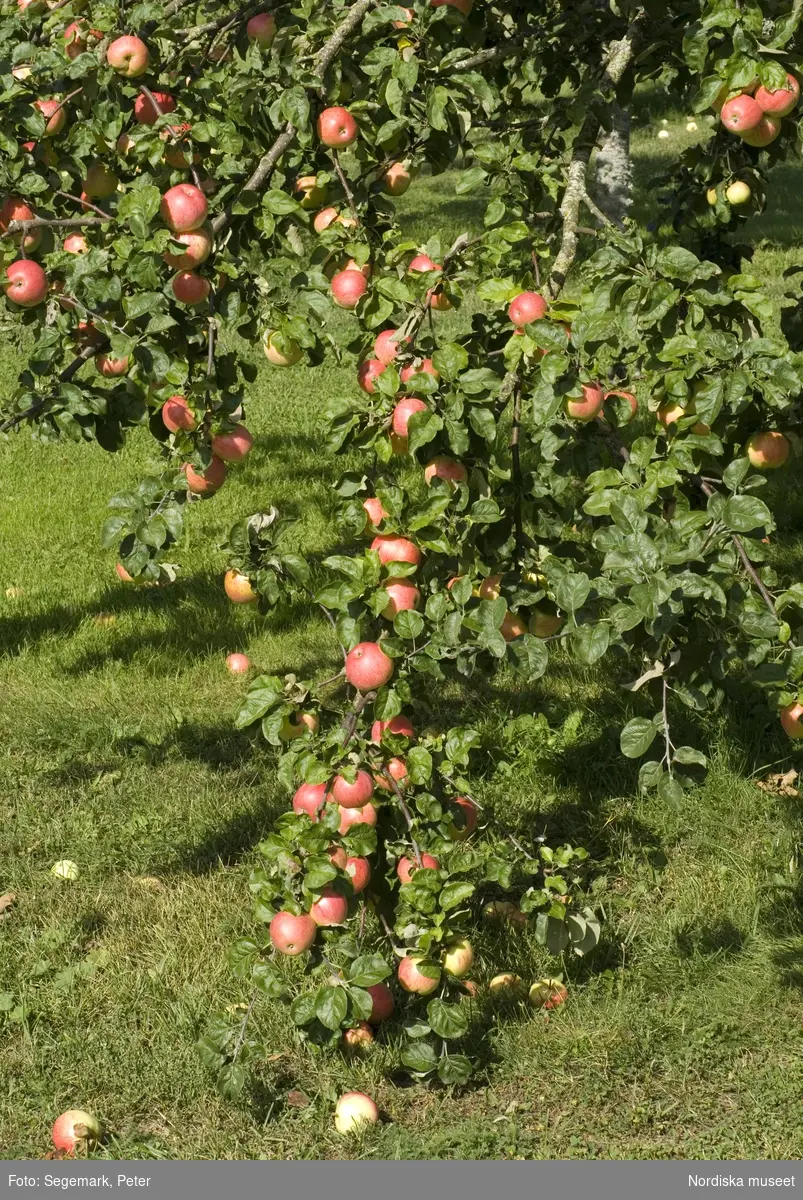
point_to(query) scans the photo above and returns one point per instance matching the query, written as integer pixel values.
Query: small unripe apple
(312, 196)
(348, 288)
(738, 193)
(310, 799)
(413, 979)
(400, 726)
(394, 549)
(383, 1003)
(238, 588)
(353, 795)
(25, 283)
(768, 450)
(337, 127)
(368, 667)
(359, 1038)
(206, 483)
(238, 664)
(353, 1111)
(128, 56)
(75, 1131)
(459, 958)
(407, 867)
(287, 357)
(711, 196)
(100, 182)
(262, 28)
(291, 729)
(293, 934)
(548, 993)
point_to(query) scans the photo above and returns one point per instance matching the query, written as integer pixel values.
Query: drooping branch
(66, 375)
(181, 139)
(617, 60)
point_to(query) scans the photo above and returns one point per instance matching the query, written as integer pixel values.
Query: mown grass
(683, 1035)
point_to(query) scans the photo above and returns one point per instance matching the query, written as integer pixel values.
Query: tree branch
(515, 452)
(65, 377)
(86, 203)
(54, 222)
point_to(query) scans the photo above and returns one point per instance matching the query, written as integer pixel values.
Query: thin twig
(65, 377)
(407, 816)
(333, 623)
(344, 183)
(86, 203)
(398, 950)
(238, 1045)
(515, 451)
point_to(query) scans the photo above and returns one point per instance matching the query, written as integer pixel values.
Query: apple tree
(583, 473)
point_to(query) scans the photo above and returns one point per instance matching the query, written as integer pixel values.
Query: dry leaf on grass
(6, 903)
(780, 785)
(297, 1099)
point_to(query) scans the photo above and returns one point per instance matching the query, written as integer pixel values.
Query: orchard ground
(682, 1036)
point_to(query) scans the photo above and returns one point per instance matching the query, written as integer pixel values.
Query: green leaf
(231, 1080)
(455, 1069)
(447, 1020)
(454, 894)
(590, 643)
(369, 969)
(331, 1006)
(419, 1057)
(303, 1008)
(265, 692)
(571, 592)
(637, 737)
(743, 514)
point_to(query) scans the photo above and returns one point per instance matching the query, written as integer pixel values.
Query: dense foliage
(583, 468)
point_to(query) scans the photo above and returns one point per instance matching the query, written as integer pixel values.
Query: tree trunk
(613, 177)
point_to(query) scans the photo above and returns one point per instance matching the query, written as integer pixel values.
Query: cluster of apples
(230, 445)
(756, 113)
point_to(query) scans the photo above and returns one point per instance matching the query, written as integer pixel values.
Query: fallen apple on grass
(353, 1111)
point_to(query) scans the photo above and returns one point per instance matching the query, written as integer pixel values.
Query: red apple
(233, 446)
(74, 40)
(87, 335)
(128, 56)
(330, 908)
(513, 626)
(358, 1038)
(397, 179)
(423, 263)
(75, 1131)
(111, 367)
(589, 407)
(198, 243)
(75, 243)
(395, 769)
(459, 833)
(629, 397)
(386, 347)
(54, 113)
(392, 548)
(741, 114)
(310, 799)
(359, 870)
(177, 414)
(548, 993)
(207, 482)
(367, 815)
(407, 867)
(397, 725)
(790, 720)
(527, 307)
(15, 209)
(288, 357)
(781, 101)
(348, 287)
(375, 511)
(404, 411)
(424, 368)
(238, 588)
(368, 667)
(353, 795)
(25, 283)
(383, 1002)
(458, 957)
(323, 219)
(262, 28)
(442, 467)
(238, 664)
(412, 978)
(183, 208)
(768, 450)
(146, 112)
(337, 127)
(175, 154)
(402, 595)
(190, 288)
(764, 133)
(293, 934)
(353, 1111)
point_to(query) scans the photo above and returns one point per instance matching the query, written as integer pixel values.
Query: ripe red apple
(291, 729)
(398, 725)
(470, 815)
(75, 1131)
(310, 799)
(629, 397)
(741, 114)
(177, 414)
(233, 446)
(402, 595)
(238, 588)
(198, 243)
(396, 768)
(407, 867)
(75, 243)
(375, 511)
(384, 1004)
(146, 112)
(513, 626)
(764, 133)
(54, 113)
(15, 209)
(311, 195)
(368, 667)
(358, 1038)
(421, 264)
(768, 450)
(404, 411)
(337, 127)
(527, 307)
(293, 934)
(111, 367)
(392, 548)
(386, 347)
(409, 17)
(128, 56)
(348, 287)
(424, 368)
(442, 467)
(175, 154)
(790, 720)
(367, 815)
(74, 40)
(780, 102)
(589, 407)
(359, 870)
(25, 283)
(412, 978)
(190, 288)
(330, 908)
(207, 482)
(183, 208)
(281, 358)
(548, 993)
(353, 795)
(397, 178)
(238, 664)
(353, 1111)
(458, 958)
(262, 28)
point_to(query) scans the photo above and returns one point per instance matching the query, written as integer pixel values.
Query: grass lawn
(683, 1036)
